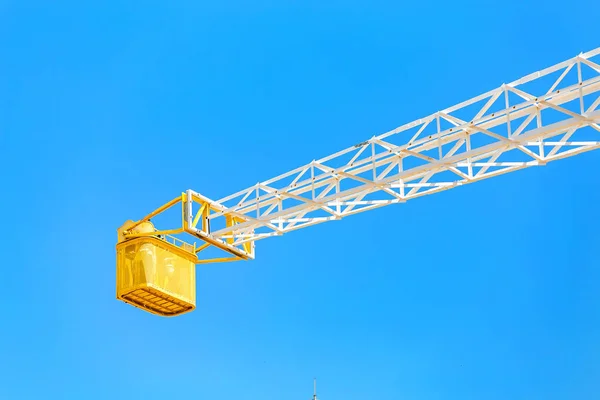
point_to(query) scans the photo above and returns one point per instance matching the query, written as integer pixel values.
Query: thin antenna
(315, 389)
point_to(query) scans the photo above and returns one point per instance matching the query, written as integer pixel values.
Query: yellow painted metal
(202, 217)
(198, 215)
(202, 247)
(155, 233)
(156, 271)
(157, 211)
(155, 275)
(218, 260)
(229, 221)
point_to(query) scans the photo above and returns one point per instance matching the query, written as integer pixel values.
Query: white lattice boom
(542, 117)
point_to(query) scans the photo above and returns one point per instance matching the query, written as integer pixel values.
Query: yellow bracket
(204, 246)
(218, 260)
(200, 213)
(198, 228)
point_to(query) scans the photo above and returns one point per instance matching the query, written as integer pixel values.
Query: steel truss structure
(545, 116)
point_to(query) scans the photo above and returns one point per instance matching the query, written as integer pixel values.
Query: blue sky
(108, 110)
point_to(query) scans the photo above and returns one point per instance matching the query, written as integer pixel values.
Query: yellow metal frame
(199, 228)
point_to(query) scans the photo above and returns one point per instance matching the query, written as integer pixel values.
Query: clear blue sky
(490, 291)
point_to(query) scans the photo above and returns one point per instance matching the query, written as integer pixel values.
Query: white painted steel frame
(507, 129)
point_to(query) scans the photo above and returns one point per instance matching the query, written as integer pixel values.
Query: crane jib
(545, 116)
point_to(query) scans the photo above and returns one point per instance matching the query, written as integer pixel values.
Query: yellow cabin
(155, 275)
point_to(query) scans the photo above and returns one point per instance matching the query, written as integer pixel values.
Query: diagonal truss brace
(512, 127)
